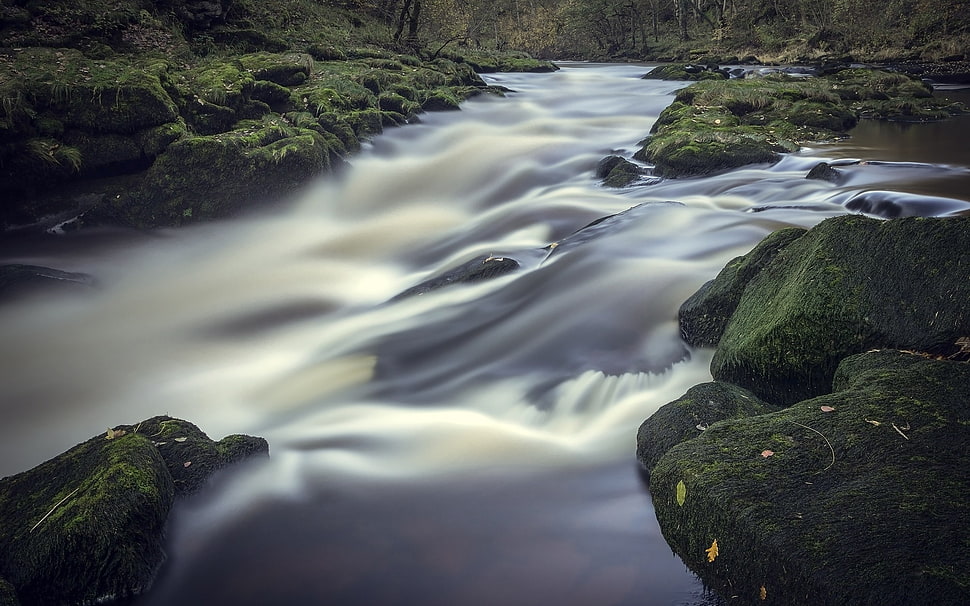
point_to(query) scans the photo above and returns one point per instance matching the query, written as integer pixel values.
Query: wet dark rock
(476, 270)
(694, 412)
(17, 279)
(616, 171)
(88, 526)
(855, 497)
(848, 285)
(891, 205)
(705, 315)
(823, 171)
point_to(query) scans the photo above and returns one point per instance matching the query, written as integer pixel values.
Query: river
(471, 445)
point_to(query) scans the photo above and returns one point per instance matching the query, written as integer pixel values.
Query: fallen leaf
(826, 409)
(681, 493)
(115, 433)
(180, 439)
(187, 463)
(711, 551)
(767, 453)
(763, 594)
(876, 423)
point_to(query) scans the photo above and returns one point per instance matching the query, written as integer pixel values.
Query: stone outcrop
(828, 462)
(88, 525)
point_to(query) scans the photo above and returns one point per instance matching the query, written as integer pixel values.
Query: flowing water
(471, 445)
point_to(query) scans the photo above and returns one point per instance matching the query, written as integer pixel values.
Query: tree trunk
(402, 19)
(415, 19)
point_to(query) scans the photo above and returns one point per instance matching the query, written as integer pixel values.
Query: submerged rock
(856, 497)
(17, 279)
(476, 270)
(88, 525)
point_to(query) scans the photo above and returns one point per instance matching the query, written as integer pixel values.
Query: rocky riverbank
(88, 526)
(146, 115)
(827, 464)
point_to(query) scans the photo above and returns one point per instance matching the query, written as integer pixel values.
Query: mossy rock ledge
(718, 124)
(855, 497)
(830, 458)
(88, 526)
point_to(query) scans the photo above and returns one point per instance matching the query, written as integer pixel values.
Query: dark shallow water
(468, 446)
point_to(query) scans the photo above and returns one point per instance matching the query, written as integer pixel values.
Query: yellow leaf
(711, 551)
(681, 493)
(763, 594)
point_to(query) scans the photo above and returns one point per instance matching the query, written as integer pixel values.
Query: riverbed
(470, 445)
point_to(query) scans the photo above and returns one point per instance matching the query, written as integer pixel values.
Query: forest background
(774, 30)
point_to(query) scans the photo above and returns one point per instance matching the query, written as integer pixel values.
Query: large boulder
(88, 525)
(855, 497)
(848, 285)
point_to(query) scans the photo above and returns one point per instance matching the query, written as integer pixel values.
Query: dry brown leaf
(711, 551)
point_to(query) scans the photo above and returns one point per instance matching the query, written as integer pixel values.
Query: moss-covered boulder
(848, 285)
(88, 525)
(694, 412)
(856, 497)
(706, 313)
(188, 183)
(617, 171)
(686, 71)
(719, 124)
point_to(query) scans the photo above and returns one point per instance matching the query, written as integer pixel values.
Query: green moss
(704, 316)
(719, 124)
(683, 71)
(817, 302)
(102, 496)
(826, 519)
(266, 158)
(504, 62)
(284, 69)
(693, 413)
